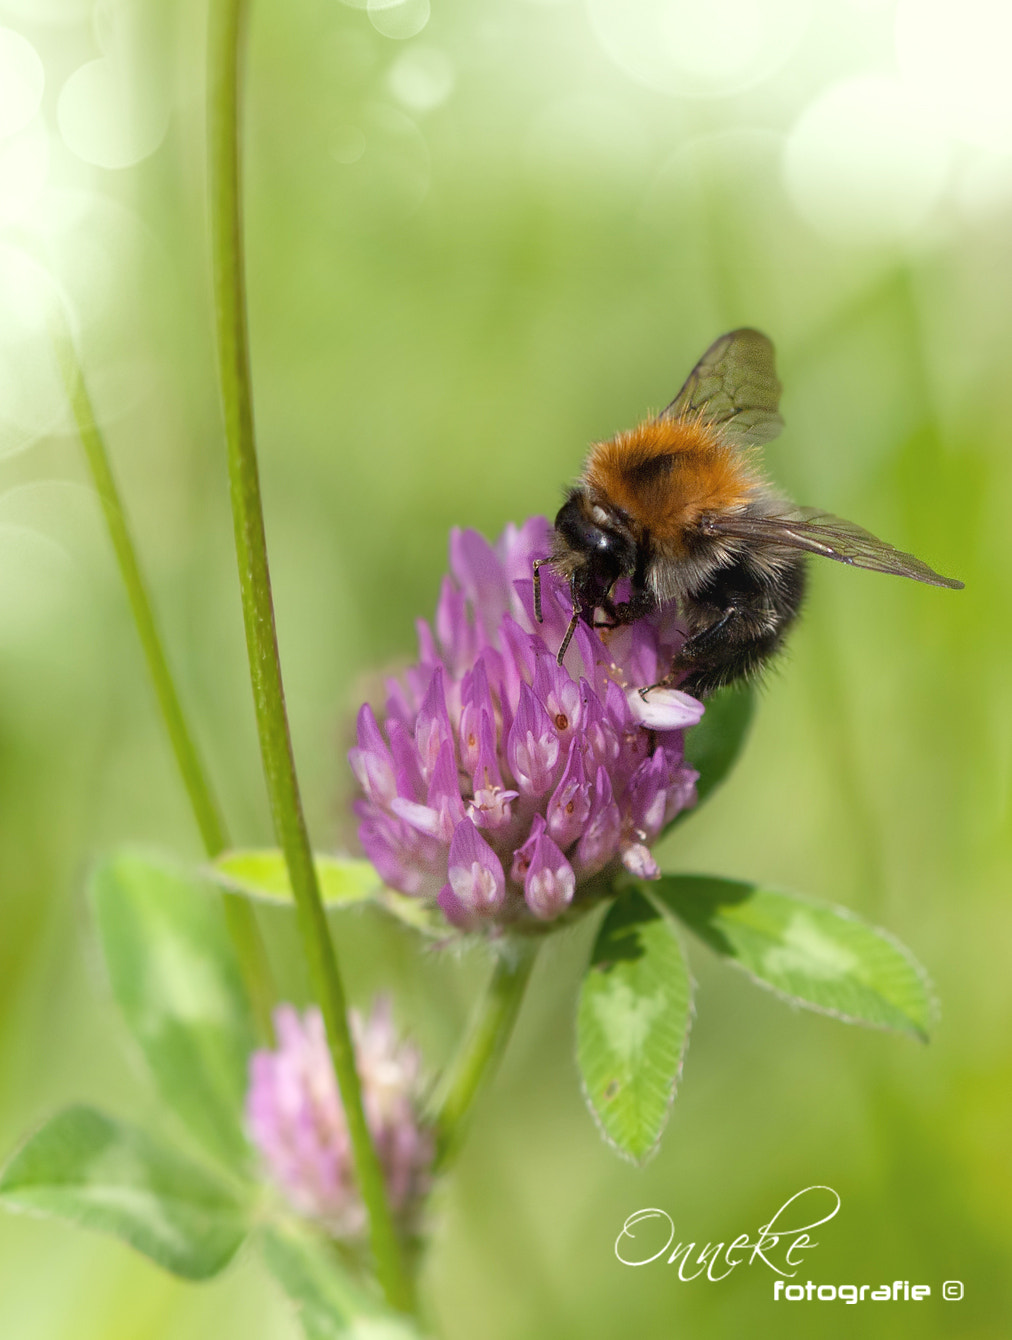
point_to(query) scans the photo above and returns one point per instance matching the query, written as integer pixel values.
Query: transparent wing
(734, 385)
(822, 533)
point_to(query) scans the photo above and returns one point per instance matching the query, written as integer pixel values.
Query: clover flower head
(501, 782)
(296, 1120)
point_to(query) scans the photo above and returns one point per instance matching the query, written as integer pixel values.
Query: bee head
(599, 549)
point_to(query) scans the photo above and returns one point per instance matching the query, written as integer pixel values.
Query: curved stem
(227, 30)
(482, 1047)
(198, 787)
(241, 918)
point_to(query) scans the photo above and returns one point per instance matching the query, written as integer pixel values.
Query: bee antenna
(569, 635)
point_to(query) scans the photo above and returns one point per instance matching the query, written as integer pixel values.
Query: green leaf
(420, 914)
(822, 957)
(176, 979)
(343, 883)
(331, 1305)
(263, 874)
(633, 1024)
(712, 747)
(102, 1174)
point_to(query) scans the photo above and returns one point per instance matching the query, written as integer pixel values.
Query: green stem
(226, 33)
(205, 810)
(240, 916)
(480, 1052)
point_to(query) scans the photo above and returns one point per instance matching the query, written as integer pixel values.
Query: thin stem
(198, 787)
(239, 915)
(227, 30)
(482, 1047)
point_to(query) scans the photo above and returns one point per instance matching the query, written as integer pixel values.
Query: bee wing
(822, 533)
(734, 385)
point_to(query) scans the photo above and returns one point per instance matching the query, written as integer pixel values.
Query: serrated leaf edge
(643, 1159)
(796, 1002)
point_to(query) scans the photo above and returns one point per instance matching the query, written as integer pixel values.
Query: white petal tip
(637, 860)
(664, 709)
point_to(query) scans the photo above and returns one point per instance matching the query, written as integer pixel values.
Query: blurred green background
(481, 237)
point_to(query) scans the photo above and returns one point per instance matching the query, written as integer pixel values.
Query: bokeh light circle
(398, 19)
(955, 60)
(33, 398)
(51, 13)
(108, 116)
(24, 172)
(422, 78)
(861, 166)
(695, 49)
(22, 82)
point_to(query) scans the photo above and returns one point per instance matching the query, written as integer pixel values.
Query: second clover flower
(296, 1119)
(501, 782)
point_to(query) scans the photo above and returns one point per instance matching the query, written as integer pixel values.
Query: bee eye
(607, 553)
(583, 534)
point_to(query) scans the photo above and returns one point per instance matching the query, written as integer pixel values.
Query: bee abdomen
(737, 622)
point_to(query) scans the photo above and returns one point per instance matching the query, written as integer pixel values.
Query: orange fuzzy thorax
(667, 473)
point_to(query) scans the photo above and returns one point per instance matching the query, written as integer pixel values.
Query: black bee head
(602, 550)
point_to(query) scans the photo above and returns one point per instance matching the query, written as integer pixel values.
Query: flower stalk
(483, 1046)
(225, 44)
(241, 918)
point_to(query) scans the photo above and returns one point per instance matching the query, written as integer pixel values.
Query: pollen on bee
(666, 473)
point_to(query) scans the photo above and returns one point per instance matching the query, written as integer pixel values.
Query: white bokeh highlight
(956, 62)
(107, 119)
(984, 185)
(699, 49)
(399, 19)
(52, 545)
(114, 112)
(421, 78)
(22, 82)
(24, 173)
(33, 399)
(862, 166)
(56, 15)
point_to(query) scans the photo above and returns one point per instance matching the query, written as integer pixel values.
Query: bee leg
(699, 642)
(693, 647)
(578, 612)
(739, 620)
(639, 604)
(538, 564)
(569, 635)
(669, 681)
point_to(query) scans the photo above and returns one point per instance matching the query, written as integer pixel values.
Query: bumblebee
(679, 507)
